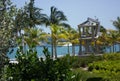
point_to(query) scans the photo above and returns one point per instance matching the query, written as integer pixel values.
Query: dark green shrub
(31, 68)
(94, 79)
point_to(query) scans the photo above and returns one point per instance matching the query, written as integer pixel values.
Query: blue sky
(77, 11)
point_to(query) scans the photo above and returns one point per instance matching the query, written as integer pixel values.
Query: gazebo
(88, 34)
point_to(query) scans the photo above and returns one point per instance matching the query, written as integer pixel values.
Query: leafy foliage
(31, 68)
(29, 16)
(111, 56)
(116, 23)
(56, 19)
(109, 67)
(77, 62)
(7, 34)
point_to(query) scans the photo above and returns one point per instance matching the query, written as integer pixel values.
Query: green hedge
(109, 70)
(111, 56)
(76, 61)
(106, 65)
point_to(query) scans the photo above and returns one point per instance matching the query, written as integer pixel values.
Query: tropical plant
(32, 68)
(116, 23)
(35, 36)
(72, 36)
(110, 69)
(113, 35)
(118, 41)
(7, 35)
(58, 36)
(29, 17)
(102, 42)
(56, 18)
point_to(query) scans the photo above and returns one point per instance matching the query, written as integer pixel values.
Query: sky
(77, 11)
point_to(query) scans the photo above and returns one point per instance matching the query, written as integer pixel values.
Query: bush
(31, 68)
(76, 61)
(87, 76)
(111, 56)
(109, 70)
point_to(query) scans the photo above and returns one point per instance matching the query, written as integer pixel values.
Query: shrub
(111, 56)
(31, 68)
(76, 61)
(109, 70)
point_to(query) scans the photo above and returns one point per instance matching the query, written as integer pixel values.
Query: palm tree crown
(56, 17)
(116, 23)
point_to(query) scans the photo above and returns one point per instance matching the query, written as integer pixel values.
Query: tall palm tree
(55, 19)
(29, 17)
(116, 23)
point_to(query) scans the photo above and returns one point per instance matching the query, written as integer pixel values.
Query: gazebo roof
(89, 29)
(89, 23)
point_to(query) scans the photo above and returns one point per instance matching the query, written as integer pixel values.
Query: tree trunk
(119, 47)
(110, 49)
(55, 49)
(52, 44)
(80, 47)
(68, 48)
(73, 49)
(113, 47)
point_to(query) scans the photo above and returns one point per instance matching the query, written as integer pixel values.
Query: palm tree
(34, 37)
(29, 17)
(116, 23)
(55, 19)
(113, 35)
(103, 41)
(118, 41)
(72, 36)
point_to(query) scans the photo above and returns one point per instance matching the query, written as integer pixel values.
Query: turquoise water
(61, 50)
(116, 48)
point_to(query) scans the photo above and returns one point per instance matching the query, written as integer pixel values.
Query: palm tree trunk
(113, 48)
(73, 49)
(55, 49)
(52, 44)
(68, 48)
(80, 47)
(110, 49)
(119, 47)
